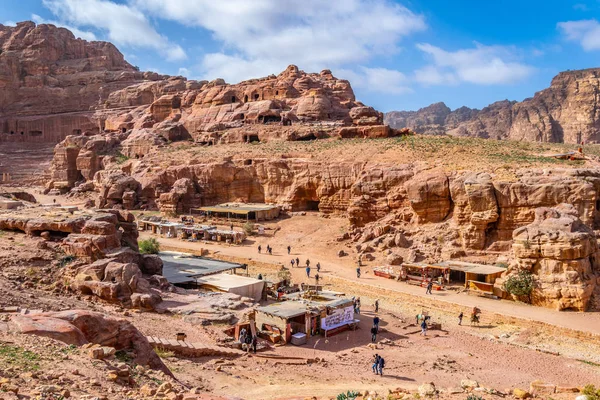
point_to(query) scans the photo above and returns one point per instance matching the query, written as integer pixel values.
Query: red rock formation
(50, 81)
(54, 85)
(566, 112)
(562, 253)
(79, 327)
(108, 240)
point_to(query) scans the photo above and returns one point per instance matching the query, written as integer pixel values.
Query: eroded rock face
(117, 273)
(50, 80)
(566, 112)
(79, 327)
(562, 253)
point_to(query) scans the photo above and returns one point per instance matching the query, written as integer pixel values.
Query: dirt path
(310, 237)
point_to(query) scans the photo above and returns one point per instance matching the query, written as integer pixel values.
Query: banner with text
(339, 317)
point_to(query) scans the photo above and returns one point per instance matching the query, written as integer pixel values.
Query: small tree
(249, 228)
(591, 392)
(520, 285)
(284, 275)
(149, 246)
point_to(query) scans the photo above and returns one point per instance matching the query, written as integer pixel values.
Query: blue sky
(398, 55)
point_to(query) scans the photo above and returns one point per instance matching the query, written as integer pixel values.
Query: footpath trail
(345, 269)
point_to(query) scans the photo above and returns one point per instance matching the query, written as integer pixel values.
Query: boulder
(79, 327)
(151, 264)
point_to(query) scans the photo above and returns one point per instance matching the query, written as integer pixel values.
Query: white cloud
(10, 23)
(482, 65)
(586, 32)
(86, 35)
(380, 80)
(184, 72)
(261, 37)
(124, 25)
(431, 75)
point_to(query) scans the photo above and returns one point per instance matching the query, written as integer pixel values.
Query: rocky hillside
(50, 81)
(566, 112)
(54, 85)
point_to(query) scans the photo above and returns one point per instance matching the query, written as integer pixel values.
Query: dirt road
(310, 237)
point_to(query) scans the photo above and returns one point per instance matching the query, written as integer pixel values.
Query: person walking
(307, 263)
(270, 251)
(381, 365)
(460, 317)
(358, 305)
(373, 334)
(298, 262)
(289, 248)
(307, 271)
(376, 364)
(318, 267)
(429, 287)
(377, 305)
(254, 343)
(259, 249)
(424, 327)
(248, 343)
(243, 336)
(293, 262)
(376, 323)
(358, 272)
(317, 278)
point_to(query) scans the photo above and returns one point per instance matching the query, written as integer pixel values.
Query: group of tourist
(269, 250)
(249, 340)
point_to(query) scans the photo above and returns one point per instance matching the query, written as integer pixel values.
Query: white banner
(339, 317)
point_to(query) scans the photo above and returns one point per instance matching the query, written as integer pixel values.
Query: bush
(149, 246)
(474, 397)
(591, 392)
(348, 395)
(249, 228)
(520, 285)
(66, 260)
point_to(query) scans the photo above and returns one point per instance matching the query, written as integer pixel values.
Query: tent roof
(181, 268)
(486, 270)
(286, 309)
(238, 208)
(228, 281)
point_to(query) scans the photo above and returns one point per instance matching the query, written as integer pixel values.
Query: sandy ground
(518, 338)
(512, 347)
(311, 236)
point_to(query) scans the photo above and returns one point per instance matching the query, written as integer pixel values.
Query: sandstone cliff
(562, 253)
(54, 85)
(51, 81)
(566, 112)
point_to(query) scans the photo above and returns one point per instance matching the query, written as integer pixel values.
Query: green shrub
(149, 246)
(249, 228)
(66, 260)
(474, 397)
(591, 392)
(347, 396)
(120, 158)
(520, 285)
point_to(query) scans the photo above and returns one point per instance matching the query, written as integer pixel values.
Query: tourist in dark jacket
(373, 334)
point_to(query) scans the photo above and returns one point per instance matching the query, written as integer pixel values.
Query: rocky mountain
(51, 81)
(55, 85)
(566, 112)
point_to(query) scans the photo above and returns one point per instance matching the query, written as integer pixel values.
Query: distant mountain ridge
(566, 112)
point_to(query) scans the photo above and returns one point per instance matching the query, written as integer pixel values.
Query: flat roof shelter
(479, 277)
(247, 211)
(186, 270)
(306, 313)
(240, 285)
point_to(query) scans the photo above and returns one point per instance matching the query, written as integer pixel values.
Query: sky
(397, 54)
